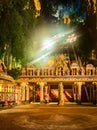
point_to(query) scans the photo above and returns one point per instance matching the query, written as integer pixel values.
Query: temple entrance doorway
(68, 93)
(34, 93)
(53, 93)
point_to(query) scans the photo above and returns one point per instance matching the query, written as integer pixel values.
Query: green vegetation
(18, 25)
(15, 73)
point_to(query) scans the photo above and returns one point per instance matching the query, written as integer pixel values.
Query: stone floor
(49, 117)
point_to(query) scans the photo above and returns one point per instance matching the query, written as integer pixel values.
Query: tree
(90, 7)
(16, 24)
(15, 73)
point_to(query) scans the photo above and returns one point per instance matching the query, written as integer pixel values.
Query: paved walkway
(49, 117)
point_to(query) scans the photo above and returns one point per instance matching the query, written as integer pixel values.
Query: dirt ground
(49, 117)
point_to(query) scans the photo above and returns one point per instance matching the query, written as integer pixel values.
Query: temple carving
(61, 67)
(61, 82)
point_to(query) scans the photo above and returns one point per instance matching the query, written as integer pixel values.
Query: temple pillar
(94, 71)
(30, 72)
(52, 72)
(41, 91)
(19, 95)
(34, 93)
(23, 93)
(94, 92)
(5, 96)
(46, 94)
(33, 72)
(56, 72)
(79, 92)
(27, 92)
(90, 87)
(75, 92)
(61, 96)
(38, 72)
(79, 85)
